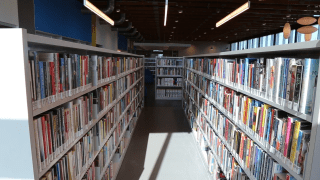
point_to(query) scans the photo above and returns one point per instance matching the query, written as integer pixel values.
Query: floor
(162, 146)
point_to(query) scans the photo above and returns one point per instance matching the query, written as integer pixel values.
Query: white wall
(9, 12)
(105, 37)
(203, 48)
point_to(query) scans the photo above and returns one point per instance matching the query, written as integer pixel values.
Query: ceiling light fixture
(212, 28)
(166, 13)
(306, 20)
(97, 11)
(118, 10)
(205, 33)
(174, 27)
(235, 13)
(177, 20)
(172, 32)
(286, 30)
(127, 19)
(307, 37)
(307, 30)
(180, 11)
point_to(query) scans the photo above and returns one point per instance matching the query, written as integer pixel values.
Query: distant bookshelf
(169, 71)
(150, 63)
(81, 107)
(253, 117)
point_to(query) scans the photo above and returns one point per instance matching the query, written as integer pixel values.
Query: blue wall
(62, 17)
(122, 43)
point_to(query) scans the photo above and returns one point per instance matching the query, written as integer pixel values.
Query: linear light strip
(165, 13)
(97, 11)
(235, 13)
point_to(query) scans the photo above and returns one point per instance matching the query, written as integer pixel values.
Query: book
(310, 75)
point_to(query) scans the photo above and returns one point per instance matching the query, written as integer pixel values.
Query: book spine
(287, 136)
(298, 82)
(42, 89)
(305, 84)
(295, 141)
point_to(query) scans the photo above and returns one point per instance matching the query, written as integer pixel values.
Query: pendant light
(306, 20)
(307, 30)
(307, 37)
(286, 31)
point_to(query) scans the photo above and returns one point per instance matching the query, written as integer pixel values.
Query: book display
(254, 117)
(82, 105)
(169, 78)
(150, 63)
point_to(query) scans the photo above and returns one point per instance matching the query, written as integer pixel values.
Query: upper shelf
(295, 47)
(41, 40)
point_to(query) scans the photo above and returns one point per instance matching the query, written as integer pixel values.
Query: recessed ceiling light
(227, 37)
(177, 20)
(127, 19)
(118, 10)
(219, 39)
(204, 33)
(180, 11)
(132, 26)
(199, 36)
(263, 24)
(172, 32)
(248, 29)
(212, 28)
(195, 38)
(235, 33)
(174, 27)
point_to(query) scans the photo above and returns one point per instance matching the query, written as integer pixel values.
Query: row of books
(167, 93)
(111, 66)
(168, 62)
(286, 135)
(57, 129)
(80, 158)
(250, 155)
(287, 81)
(54, 73)
(220, 161)
(272, 126)
(125, 82)
(169, 71)
(169, 81)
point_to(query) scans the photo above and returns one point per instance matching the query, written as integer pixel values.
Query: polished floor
(162, 146)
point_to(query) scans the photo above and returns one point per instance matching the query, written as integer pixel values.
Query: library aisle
(162, 146)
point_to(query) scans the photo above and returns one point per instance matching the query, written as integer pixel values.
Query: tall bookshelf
(168, 79)
(207, 133)
(150, 63)
(19, 148)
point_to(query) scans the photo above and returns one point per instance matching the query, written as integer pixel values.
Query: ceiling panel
(200, 16)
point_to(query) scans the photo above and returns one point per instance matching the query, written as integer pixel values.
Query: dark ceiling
(200, 16)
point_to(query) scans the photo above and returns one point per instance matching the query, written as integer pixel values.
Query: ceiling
(198, 19)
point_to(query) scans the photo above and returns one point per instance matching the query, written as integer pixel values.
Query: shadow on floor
(158, 116)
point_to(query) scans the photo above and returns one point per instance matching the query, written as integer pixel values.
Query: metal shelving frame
(16, 43)
(309, 49)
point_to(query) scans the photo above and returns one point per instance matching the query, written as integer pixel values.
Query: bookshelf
(202, 123)
(168, 78)
(122, 83)
(150, 63)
